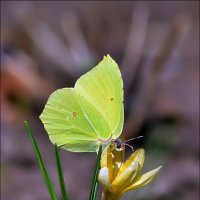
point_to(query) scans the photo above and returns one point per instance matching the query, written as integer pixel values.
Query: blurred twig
(50, 45)
(73, 34)
(135, 44)
(141, 104)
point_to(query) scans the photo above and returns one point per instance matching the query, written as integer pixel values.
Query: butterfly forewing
(103, 87)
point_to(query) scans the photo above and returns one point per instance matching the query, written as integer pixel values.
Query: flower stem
(107, 195)
(93, 192)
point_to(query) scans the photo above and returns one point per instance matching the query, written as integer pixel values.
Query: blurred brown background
(48, 45)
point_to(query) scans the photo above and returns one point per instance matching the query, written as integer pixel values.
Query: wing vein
(87, 118)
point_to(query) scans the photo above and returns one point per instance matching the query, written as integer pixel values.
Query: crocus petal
(143, 180)
(118, 178)
(117, 161)
(139, 157)
(118, 154)
(107, 160)
(126, 177)
(104, 178)
(136, 156)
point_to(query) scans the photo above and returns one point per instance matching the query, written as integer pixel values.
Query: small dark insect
(120, 144)
(111, 99)
(74, 114)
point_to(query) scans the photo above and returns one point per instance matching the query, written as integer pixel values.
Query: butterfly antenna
(133, 138)
(129, 146)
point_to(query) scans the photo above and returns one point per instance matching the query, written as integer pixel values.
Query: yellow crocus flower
(118, 177)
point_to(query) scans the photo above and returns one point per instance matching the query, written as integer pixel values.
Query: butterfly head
(119, 144)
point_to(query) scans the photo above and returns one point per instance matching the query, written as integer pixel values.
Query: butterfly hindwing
(69, 117)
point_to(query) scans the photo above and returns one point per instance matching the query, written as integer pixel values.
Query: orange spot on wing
(74, 114)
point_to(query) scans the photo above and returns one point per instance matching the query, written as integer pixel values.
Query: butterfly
(82, 118)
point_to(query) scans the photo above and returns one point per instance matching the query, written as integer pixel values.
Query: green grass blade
(60, 174)
(93, 192)
(41, 163)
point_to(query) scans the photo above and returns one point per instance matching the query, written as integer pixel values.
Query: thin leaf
(60, 174)
(93, 192)
(41, 163)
